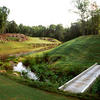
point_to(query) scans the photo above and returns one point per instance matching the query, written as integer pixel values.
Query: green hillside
(80, 52)
(67, 60)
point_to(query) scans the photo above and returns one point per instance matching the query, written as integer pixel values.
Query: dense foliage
(96, 87)
(53, 31)
(56, 31)
(3, 18)
(42, 66)
(89, 23)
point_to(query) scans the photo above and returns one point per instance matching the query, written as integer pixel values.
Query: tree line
(53, 31)
(89, 23)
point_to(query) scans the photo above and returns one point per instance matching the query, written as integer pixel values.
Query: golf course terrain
(53, 68)
(48, 51)
(19, 43)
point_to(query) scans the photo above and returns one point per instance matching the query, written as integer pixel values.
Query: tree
(12, 27)
(75, 30)
(95, 18)
(51, 30)
(59, 33)
(3, 18)
(83, 11)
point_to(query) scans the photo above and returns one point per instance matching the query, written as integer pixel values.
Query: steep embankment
(77, 54)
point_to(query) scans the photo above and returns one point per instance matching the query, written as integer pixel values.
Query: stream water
(21, 68)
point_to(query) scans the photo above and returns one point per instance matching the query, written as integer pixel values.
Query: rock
(21, 37)
(12, 63)
(2, 71)
(16, 74)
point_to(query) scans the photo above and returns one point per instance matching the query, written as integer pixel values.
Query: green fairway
(32, 44)
(10, 90)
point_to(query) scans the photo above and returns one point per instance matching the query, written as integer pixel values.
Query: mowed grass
(10, 90)
(12, 47)
(78, 53)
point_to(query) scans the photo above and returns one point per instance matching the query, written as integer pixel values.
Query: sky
(41, 12)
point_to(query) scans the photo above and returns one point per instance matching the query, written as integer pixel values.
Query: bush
(53, 59)
(96, 87)
(7, 66)
(29, 61)
(48, 69)
(44, 73)
(12, 38)
(1, 63)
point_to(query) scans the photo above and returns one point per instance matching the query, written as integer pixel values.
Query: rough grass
(38, 40)
(10, 90)
(12, 47)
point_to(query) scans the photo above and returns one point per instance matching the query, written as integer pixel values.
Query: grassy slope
(11, 47)
(78, 53)
(10, 90)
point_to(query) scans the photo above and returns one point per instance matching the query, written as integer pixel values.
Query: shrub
(54, 58)
(96, 87)
(12, 38)
(29, 61)
(44, 73)
(1, 63)
(11, 58)
(7, 66)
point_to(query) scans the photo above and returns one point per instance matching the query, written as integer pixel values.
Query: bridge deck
(83, 81)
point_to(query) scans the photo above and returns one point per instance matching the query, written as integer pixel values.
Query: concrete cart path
(83, 81)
